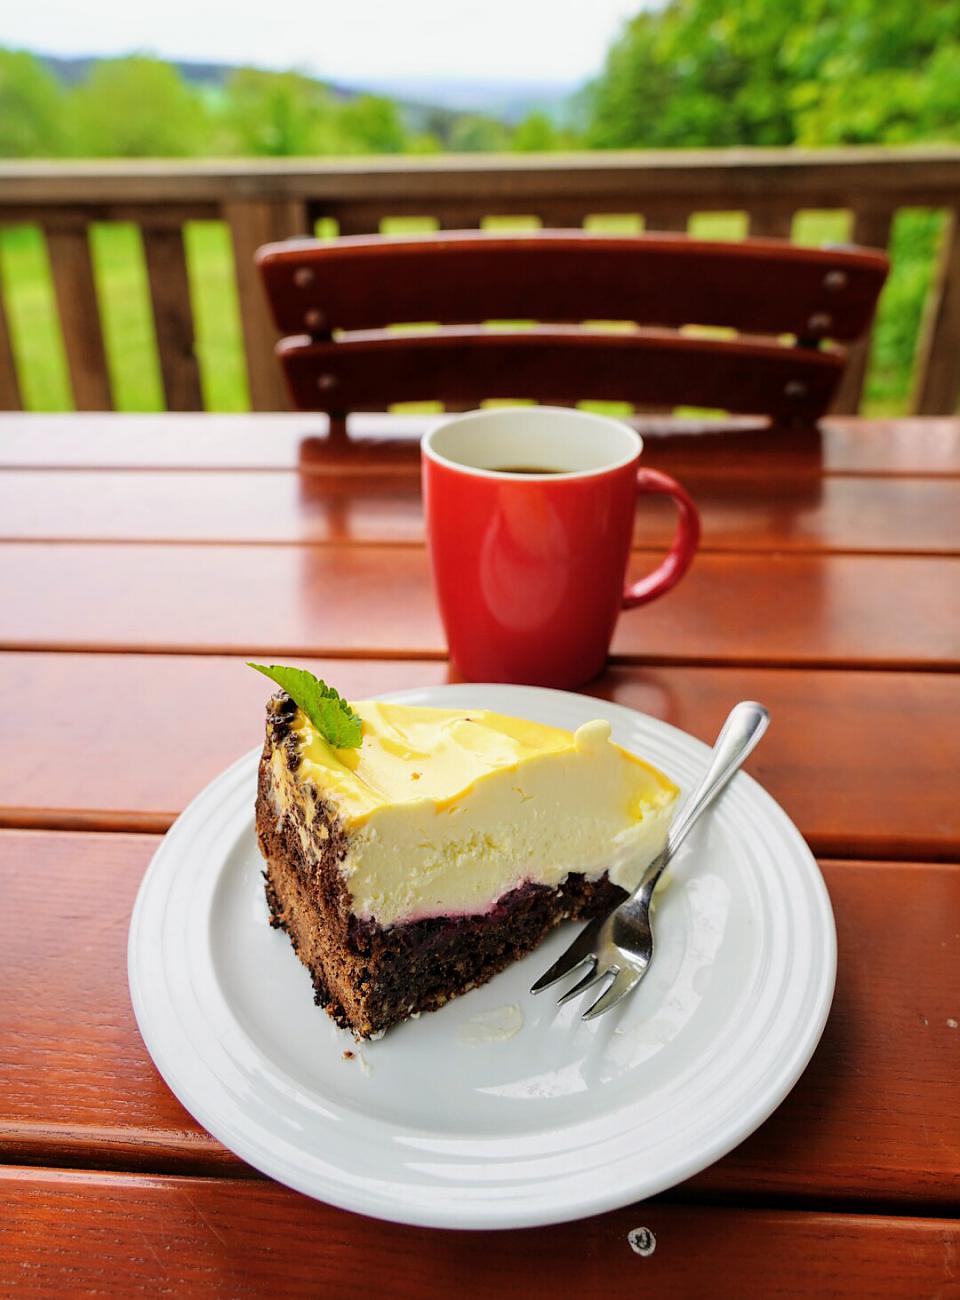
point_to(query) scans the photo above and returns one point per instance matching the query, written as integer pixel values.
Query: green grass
(125, 317)
(213, 292)
(131, 346)
(32, 313)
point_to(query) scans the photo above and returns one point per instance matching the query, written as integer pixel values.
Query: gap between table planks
(166, 725)
(791, 513)
(129, 1235)
(872, 1118)
(299, 441)
(377, 601)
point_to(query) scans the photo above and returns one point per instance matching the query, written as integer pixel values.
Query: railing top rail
(928, 174)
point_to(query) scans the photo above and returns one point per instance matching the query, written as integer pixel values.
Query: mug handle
(682, 549)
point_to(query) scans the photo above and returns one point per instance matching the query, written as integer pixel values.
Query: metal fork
(621, 943)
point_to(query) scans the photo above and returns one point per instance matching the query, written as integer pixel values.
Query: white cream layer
(536, 804)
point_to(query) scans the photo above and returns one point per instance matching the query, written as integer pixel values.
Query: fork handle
(739, 736)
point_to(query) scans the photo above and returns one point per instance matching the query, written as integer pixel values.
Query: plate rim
(467, 1214)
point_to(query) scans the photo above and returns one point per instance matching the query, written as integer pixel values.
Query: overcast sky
(350, 40)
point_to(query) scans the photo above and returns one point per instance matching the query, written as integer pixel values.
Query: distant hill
(433, 105)
(73, 70)
(510, 101)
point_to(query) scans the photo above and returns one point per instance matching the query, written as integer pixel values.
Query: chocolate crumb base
(421, 965)
(368, 978)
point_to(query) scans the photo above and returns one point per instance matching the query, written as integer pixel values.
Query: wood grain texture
(79, 313)
(928, 446)
(83, 1080)
(771, 223)
(318, 286)
(81, 1089)
(173, 317)
(828, 758)
(378, 601)
(254, 222)
(459, 364)
(797, 513)
(109, 1234)
(599, 181)
(451, 219)
(937, 379)
(224, 699)
(843, 446)
(554, 216)
(666, 221)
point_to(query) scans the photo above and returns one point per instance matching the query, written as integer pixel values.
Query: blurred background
(431, 78)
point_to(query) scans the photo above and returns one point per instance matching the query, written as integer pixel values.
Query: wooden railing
(274, 199)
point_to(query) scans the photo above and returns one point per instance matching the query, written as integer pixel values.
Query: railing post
(10, 398)
(667, 223)
(357, 223)
(172, 315)
(79, 310)
(937, 386)
(254, 222)
(871, 229)
(264, 201)
(770, 225)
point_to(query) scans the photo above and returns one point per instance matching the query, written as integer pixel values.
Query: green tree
(280, 114)
(371, 124)
(536, 134)
(875, 103)
(705, 72)
(423, 142)
(137, 108)
(31, 108)
(474, 133)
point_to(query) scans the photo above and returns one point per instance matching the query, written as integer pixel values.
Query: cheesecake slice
(446, 845)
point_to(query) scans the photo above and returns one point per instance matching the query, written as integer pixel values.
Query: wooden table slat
(111, 1234)
(81, 1089)
(861, 761)
(141, 559)
(790, 610)
(796, 514)
(929, 447)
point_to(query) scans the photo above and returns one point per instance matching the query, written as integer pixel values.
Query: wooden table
(143, 558)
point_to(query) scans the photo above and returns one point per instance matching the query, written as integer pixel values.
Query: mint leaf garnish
(326, 708)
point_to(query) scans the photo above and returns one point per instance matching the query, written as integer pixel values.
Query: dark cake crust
(367, 977)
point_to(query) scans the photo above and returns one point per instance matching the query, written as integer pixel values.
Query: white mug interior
(562, 441)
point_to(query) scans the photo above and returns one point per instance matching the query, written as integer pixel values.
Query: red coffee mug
(529, 519)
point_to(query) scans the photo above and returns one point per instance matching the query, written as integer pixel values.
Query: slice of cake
(412, 866)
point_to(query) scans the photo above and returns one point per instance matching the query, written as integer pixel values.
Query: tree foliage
(537, 133)
(278, 114)
(687, 73)
(136, 108)
(474, 133)
(371, 124)
(31, 108)
(811, 72)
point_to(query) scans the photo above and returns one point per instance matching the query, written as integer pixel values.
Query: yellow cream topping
(410, 754)
(448, 809)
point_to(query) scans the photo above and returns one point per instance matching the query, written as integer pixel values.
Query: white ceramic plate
(431, 1126)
